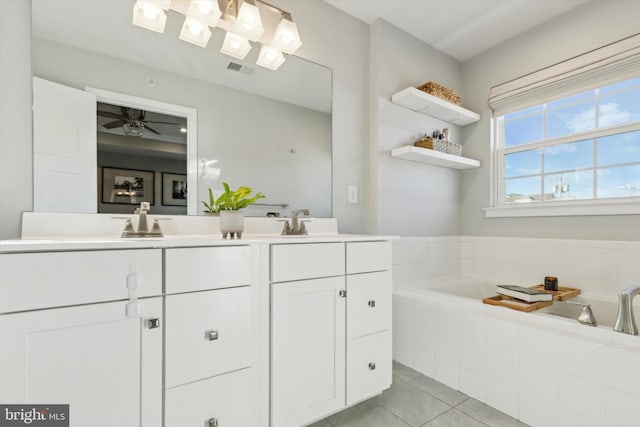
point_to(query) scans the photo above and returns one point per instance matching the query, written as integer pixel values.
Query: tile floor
(419, 401)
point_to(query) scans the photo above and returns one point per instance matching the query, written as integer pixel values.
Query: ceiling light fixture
(150, 14)
(240, 19)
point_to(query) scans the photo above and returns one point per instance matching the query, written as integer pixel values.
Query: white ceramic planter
(231, 224)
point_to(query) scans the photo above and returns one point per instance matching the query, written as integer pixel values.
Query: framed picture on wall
(127, 186)
(174, 189)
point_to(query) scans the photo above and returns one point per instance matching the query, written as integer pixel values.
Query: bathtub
(516, 362)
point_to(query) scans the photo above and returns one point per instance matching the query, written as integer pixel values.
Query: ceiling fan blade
(162, 123)
(112, 125)
(152, 130)
(109, 114)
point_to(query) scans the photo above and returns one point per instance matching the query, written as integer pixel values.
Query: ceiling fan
(132, 121)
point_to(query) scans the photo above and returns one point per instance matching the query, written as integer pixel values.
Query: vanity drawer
(368, 366)
(306, 261)
(51, 279)
(225, 398)
(197, 269)
(207, 333)
(368, 303)
(363, 257)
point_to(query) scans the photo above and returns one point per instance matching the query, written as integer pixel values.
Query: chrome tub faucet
(625, 322)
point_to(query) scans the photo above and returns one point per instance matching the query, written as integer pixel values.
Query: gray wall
(410, 199)
(587, 27)
(16, 153)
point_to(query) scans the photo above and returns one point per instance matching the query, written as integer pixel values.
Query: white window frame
(615, 62)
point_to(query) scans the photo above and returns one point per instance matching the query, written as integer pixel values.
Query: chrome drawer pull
(372, 366)
(372, 303)
(343, 293)
(212, 422)
(212, 336)
(153, 323)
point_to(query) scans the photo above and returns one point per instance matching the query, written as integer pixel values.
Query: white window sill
(568, 208)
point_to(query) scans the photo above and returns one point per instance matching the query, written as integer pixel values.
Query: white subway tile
(627, 280)
(622, 370)
(403, 352)
(621, 409)
(502, 397)
(502, 368)
(571, 419)
(403, 331)
(445, 367)
(572, 278)
(571, 256)
(424, 350)
(424, 314)
(472, 384)
(581, 358)
(472, 327)
(402, 308)
(538, 412)
(629, 261)
(446, 317)
(582, 397)
(602, 259)
(601, 283)
(538, 380)
(539, 346)
(502, 336)
(472, 357)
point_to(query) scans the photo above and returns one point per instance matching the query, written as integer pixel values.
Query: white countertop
(77, 243)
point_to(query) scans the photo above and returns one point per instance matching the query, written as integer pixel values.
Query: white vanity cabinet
(106, 365)
(209, 337)
(331, 327)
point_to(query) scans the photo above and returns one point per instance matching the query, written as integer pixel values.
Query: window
(580, 147)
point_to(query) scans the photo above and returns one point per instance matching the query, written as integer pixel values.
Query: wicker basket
(425, 142)
(441, 92)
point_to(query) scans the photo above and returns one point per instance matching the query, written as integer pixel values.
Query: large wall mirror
(269, 130)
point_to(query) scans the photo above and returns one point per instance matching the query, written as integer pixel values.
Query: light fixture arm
(231, 7)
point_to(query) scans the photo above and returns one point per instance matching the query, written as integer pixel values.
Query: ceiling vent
(239, 68)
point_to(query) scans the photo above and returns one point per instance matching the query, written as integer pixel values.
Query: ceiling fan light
(195, 32)
(270, 58)
(235, 45)
(286, 37)
(132, 130)
(206, 11)
(150, 15)
(248, 22)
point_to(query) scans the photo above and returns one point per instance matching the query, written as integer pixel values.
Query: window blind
(599, 67)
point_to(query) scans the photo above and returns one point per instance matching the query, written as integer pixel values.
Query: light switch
(352, 194)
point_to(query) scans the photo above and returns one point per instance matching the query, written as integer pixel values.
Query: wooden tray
(515, 304)
(562, 294)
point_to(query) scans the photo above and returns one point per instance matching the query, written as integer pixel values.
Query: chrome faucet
(586, 316)
(143, 226)
(297, 226)
(625, 322)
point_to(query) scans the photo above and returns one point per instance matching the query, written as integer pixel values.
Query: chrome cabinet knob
(372, 366)
(343, 293)
(211, 335)
(212, 422)
(372, 303)
(153, 323)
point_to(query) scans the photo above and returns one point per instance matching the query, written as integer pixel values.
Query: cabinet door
(368, 303)
(106, 366)
(208, 333)
(368, 366)
(223, 401)
(308, 350)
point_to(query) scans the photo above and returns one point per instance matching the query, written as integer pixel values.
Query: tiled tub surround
(544, 370)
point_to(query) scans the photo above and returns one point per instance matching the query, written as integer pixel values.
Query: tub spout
(625, 322)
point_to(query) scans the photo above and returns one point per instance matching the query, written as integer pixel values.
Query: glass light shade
(196, 32)
(235, 45)
(206, 11)
(270, 58)
(149, 15)
(248, 22)
(286, 37)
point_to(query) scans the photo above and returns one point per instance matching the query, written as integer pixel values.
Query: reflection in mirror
(133, 142)
(269, 130)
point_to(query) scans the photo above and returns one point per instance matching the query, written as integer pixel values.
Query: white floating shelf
(430, 105)
(432, 157)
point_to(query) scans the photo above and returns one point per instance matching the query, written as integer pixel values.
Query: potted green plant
(228, 206)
